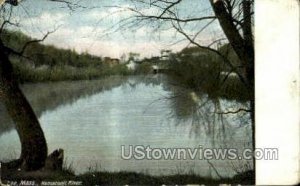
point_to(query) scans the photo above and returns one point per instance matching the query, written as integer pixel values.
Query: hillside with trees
(48, 63)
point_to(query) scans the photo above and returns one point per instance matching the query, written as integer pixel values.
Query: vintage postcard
(144, 92)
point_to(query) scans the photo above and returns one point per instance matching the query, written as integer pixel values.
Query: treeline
(49, 63)
(204, 71)
(41, 54)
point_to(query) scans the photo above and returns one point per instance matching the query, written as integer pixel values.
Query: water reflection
(205, 115)
(92, 119)
(48, 96)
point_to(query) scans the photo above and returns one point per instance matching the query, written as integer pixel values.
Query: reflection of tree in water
(212, 119)
(197, 109)
(147, 80)
(205, 116)
(48, 96)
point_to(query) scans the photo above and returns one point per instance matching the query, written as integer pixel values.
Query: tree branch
(176, 19)
(234, 112)
(72, 6)
(168, 18)
(212, 50)
(216, 171)
(170, 6)
(20, 53)
(36, 41)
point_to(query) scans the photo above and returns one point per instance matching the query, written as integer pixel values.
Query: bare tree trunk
(249, 47)
(243, 46)
(33, 143)
(248, 42)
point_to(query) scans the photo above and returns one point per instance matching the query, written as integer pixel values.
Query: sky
(98, 27)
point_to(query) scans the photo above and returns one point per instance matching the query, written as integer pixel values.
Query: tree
(242, 42)
(235, 19)
(33, 142)
(133, 56)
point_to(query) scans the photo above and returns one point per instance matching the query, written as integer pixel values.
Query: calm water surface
(91, 120)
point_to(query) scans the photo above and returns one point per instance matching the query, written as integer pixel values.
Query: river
(92, 120)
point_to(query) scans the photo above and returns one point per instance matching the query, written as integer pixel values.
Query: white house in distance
(229, 74)
(131, 65)
(165, 54)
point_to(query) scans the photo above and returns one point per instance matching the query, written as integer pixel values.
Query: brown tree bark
(33, 142)
(242, 45)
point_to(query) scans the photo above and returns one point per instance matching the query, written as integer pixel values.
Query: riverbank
(125, 178)
(26, 73)
(231, 89)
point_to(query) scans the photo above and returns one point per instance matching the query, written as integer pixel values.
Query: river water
(92, 120)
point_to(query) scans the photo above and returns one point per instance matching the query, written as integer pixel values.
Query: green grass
(144, 68)
(123, 178)
(207, 81)
(26, 73)
(133, 178)
(190, 75)
(97, 176)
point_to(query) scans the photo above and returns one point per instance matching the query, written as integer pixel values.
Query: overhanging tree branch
(234, 112)
(20, 53)
(35, 41)
(229, 29)
(176, 19)
(168, 8)
(179, 29)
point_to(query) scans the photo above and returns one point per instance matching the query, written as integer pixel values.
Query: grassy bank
(205, 72)
(123, 178)
(132, 178)
(26, 73)
(209, 80)
(50, 63)
(193, 68)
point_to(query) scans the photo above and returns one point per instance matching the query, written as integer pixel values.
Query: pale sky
(96, 30)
